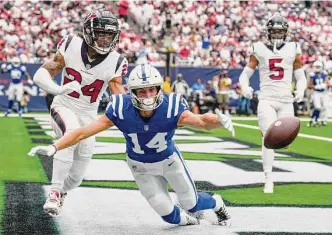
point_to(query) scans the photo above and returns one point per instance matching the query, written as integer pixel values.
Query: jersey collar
(84, 54)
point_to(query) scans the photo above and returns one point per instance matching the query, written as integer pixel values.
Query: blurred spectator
(223, 92)
(244, 104)
(25, 101)
(198, 85)
(123, 9)
(180, 86)
(167, 85)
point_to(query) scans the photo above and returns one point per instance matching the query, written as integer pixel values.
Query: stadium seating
(203, 33)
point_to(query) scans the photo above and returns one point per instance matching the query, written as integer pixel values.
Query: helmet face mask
(16, 62)
(277, 29)
(149, 102)
(144, 80)
(101, 31)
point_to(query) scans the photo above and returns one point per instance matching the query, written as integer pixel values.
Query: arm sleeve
(301, 81)
(254, 50)
(298, 48)
(245, 77)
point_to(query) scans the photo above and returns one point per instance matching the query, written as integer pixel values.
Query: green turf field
(16, 166)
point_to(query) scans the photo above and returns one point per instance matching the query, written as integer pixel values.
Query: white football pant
(269, 111)
(15, 90)
(70, 164)
(152, 179)
(318, 99)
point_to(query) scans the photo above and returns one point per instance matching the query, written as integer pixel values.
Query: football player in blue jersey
(148, 119)
(15, 90)
(318, 82)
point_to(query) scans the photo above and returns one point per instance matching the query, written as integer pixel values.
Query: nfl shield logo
(146, 127)
(88, 66)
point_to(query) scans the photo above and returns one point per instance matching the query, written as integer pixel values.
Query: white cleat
(187, 219)
(268, 186)
(224, 218)
(54, 203)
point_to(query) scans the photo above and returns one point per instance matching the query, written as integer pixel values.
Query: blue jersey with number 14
(147, 140)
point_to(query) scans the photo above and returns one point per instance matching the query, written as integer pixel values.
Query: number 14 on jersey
(158, 142)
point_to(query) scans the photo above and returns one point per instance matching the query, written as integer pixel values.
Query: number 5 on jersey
(274, 67)
(91, 90)
(158, 142)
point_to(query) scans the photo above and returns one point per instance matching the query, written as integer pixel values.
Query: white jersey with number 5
(93, 75)
(276, 70)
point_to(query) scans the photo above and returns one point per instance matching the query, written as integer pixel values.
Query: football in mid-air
(282, 132)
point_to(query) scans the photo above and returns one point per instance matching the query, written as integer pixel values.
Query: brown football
(282, 132)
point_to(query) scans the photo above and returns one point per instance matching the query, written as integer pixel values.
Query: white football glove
(226, 121)
(298, 96)
(70, 87)
(49, 150)
(30, 82)
(247, 92)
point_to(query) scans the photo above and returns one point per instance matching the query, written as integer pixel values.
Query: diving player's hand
(30, 82)
(247, 92)
(226, 121)
(70, 87)
(49, 150)
(298, 96)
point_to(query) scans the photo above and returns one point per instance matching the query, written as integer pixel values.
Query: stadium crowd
(202, 33)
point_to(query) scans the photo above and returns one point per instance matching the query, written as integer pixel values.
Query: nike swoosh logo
(171, 163)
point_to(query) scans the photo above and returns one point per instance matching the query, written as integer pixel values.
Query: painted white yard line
(300, 134)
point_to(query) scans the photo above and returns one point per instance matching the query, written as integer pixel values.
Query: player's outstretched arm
(245, 76)
(73, 137)
(301, 81)
(115, 86)
(47, 72)
(207, 121)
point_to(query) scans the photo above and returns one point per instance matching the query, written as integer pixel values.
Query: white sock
(60, 171)
(218, 202)
(183, 218)
(76, 175)
(267, 157)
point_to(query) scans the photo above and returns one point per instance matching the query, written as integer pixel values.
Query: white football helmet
(16, 61)
(145, 75)
(318, 66)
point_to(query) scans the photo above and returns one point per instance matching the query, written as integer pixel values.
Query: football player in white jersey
(89, 65)
(277, 61)
(152, 154)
